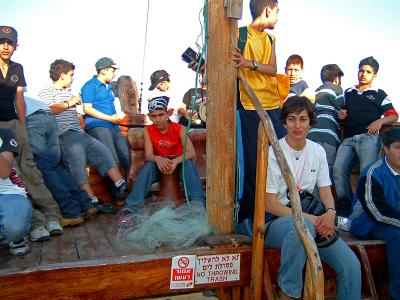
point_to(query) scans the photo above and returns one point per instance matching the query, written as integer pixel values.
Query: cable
(144, 56)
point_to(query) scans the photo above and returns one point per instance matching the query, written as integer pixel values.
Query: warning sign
(182, 272)
(217, 268)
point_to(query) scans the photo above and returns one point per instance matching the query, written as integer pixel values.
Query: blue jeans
(330, 151)
(150, 174)
(115, 141)
(15, 216)
(281, 233)
(362, 148)
(391, 236)
(43, 139)
(78, 149)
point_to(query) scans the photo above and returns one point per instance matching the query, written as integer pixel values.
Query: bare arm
(375, 126)
(91, 111)
(325, 224)
(267, 69)
(20, 104)
(6, 158)
(57, 108)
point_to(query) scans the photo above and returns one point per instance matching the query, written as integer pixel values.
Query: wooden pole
(315, 268)
(257, 264)
(221, 113)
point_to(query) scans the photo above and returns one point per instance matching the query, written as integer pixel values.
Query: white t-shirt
(309, 168)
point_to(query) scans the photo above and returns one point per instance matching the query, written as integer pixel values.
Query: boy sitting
(15, 208)
(162, 140)
(362, 115)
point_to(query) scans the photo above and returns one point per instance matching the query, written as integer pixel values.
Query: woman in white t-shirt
(307, 161)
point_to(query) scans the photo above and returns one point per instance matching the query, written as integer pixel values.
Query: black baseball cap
(158, 77)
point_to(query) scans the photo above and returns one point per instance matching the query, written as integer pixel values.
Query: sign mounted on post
(217, 268)
(182, 272)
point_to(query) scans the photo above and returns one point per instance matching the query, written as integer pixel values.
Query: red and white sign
(217, 268)
(182, 272)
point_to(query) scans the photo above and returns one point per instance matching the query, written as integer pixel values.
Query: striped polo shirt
(66, 120)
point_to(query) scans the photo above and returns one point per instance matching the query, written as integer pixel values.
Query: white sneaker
(39, 234)
(19, 248)
(343, 223)
(54, 228)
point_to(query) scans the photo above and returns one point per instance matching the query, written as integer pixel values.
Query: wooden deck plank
(90, 240)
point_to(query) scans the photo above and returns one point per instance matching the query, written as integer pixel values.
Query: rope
(144, 55)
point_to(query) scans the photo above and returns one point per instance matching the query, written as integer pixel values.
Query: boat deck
(86, 263)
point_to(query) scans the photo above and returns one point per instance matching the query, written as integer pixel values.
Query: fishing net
(162, 224)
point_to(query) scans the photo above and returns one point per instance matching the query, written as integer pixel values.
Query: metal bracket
(234, 8)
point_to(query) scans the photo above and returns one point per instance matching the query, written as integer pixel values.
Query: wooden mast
(221, 114)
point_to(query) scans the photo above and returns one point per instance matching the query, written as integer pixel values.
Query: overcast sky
(82, 31)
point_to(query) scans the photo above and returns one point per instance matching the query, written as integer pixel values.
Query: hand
(241, 62)
(115, 119)
(163, 164)
(343, 114)
(374, 127)
(194, 65)
(325, 224)
(172, 166)
(75, 100)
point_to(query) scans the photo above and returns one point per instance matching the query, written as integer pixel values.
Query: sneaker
(105, 207)
(343, 223)
(39, 234)
(54, 228)
(20, 248)
(122, 190)
(71, 221)
(87, 214)
(125, 218)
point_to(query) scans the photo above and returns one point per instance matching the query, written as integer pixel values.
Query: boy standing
(376, 212)
(364, 107)
(327, 106)
(294, 69)
(258, 64)
(101, 117)
(164, 139)
(46, 214)
(77, 147)
(15, 208)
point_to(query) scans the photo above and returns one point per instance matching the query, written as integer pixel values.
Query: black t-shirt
(7, 142)
(363, 109)
(8, 87)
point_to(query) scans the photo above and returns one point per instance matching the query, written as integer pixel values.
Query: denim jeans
(42, 132)
(281, 233)
(150, 174)
(78, 149)
(15, 216)
(362, 148)
(330, 151)
(391, 236)
(115, 141)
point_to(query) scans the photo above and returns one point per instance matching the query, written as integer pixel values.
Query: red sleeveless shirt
(168, 143)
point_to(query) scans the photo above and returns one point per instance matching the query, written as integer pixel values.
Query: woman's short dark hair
(58, 67)
(392, 135)
(296, 104)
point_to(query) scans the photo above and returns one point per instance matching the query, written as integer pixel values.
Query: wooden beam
(221, 113)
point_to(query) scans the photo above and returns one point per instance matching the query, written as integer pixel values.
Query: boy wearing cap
(376, 210)
(164, 139)
(77, 147)
(46, 213)
(101, 117)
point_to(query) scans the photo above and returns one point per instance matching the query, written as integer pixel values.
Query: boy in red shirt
(164, 139)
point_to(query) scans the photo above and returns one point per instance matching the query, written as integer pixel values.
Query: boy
(327, 105)
(258, 64)
(362, 115)
(46, 214)
(15, 208)
(101, 117)
(294, 69)
(42, 131)
(77, 147)
(376, 212)
(163, 139)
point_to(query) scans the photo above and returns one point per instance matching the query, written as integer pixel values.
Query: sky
(82, 31)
